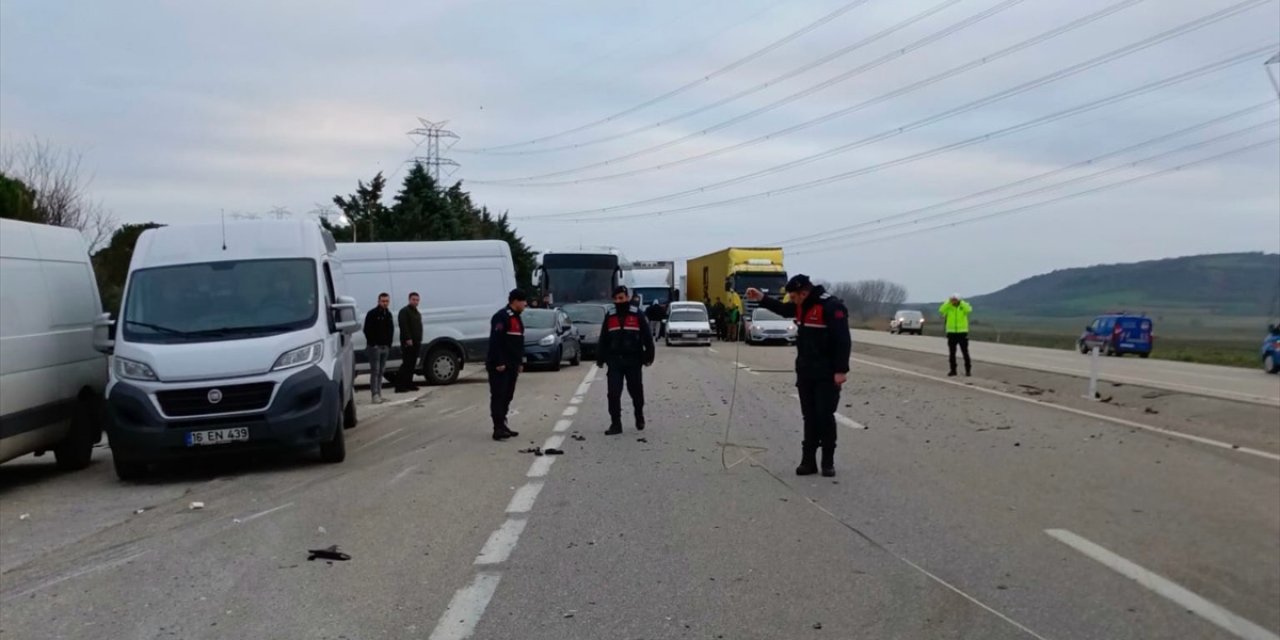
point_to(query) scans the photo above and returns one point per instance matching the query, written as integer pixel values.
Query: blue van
(1117, 334)
(1271, 350)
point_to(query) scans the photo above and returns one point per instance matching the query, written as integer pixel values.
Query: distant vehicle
(586, 276)
(653, 281)
(907, 321)
(461, 283)
(688, 323)
(766, 326)
(728, 273)
(51, 378)
(550, 338)
(231, 338)
(1271, 350)
(588, 318)
(1117, 334)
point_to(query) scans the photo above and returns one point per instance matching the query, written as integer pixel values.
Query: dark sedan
(587, 317)
(549, 339)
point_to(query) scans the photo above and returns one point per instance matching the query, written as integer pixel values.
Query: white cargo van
(51, 379)
(462, 284)
(231, 338)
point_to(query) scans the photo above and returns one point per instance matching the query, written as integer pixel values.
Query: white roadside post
(1093, 373)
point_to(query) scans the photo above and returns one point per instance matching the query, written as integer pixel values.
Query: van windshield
(212, 301)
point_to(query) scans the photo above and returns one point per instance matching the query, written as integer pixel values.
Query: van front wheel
(442, 366)
(335, 450)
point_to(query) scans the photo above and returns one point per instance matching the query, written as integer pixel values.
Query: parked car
(1271, 350)
(1118, 334)
(766, 326)
(550, 338)
(907, 321)
(51, 378)
(587, 317)
(231, 339)
(688, 323)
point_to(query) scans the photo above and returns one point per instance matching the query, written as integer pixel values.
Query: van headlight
(300, 357)
(548, 340)
(131, 370)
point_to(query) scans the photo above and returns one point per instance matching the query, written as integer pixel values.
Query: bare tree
(60, 190)
(870, 298)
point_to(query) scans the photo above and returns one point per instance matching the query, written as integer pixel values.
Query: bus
(585, 276)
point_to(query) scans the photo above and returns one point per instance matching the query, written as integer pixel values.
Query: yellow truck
(726, 274)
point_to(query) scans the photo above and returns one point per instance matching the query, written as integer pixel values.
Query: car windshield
(585, 314)
(211, 301)
(765, 315)
(910, 315)
(538, 318)
(688, 315)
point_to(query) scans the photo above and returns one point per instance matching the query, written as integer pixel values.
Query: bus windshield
(579, 277)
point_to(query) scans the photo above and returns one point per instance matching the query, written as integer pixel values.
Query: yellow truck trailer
(727, 274)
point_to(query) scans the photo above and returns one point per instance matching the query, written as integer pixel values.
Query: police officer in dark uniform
(626, 345)
(822, 364)
(505, 360)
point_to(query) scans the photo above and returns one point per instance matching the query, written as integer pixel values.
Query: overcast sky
(185, 109)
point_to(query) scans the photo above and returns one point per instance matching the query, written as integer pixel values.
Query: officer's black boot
(808, 465)
(639, 421)
(507, 430)
(828, 462)
(615, 427)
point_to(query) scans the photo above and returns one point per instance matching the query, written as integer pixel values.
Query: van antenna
(224, 228)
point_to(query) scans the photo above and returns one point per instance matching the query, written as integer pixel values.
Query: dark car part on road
(328, 553)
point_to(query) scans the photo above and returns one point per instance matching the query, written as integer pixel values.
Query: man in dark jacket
(410, 320)
(656, 313)
(379, 329)
(718, 313)
(505, 360)
(822, 364)
(626, 345)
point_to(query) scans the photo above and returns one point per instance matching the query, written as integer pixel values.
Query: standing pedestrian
(654, 315)
(718, 314)
(379, 330)
(955, 315)
(822, 364)
(732, 321)
(505, 361)
(626, 346)
(410, 322)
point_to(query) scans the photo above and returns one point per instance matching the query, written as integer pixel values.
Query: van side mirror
(344, 315)
(104, 334)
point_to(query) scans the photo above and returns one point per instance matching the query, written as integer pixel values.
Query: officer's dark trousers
(819, 398)
(408, 363)
(502, 388)
(958, 340)
(632, 374)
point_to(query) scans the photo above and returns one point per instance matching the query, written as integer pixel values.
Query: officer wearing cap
(626, 344)
(504, 361)
(822, 364)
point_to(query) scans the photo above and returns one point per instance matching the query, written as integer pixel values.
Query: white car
(765, 326)
(688, 323)
(907, 321)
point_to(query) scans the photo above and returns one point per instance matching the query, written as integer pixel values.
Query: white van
(231, 338)
(462, 284)
(51, 379)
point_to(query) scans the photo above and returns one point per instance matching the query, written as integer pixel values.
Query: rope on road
(733, 400)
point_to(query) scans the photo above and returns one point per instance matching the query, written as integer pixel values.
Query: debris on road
(196, 506)
(553, 452)
(570, 613)
(329, 553)
(321, 530)
(537, 451)
(1150, 411)
(817, 625)
(577, 437)
(641, 440)
(138, 511)
(25, 516)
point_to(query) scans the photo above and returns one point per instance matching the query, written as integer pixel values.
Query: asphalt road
(1232, 383)
(959, 512)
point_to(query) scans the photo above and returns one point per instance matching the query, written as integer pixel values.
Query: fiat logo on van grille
(215, 396)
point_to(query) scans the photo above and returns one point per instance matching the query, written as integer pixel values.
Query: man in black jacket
(505, 360)
(410, 320)
(379, 329)
(626, 344)
(822, 364)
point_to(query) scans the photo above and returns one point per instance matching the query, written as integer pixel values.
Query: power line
(1051, 187)
(827, 234)
(689, 85)
(432, 133)
(1070, 196)
(1089, 106)
(1127, 50)
(746, 92)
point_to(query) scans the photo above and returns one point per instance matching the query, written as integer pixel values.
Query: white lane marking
(575, 400)
(1178, 594)
(553, 442)
(400, 476)
(583, 389)
(848, 422)
(76, 574)
(524, 498)
(377, 439)
(591, 375)
(264, 513)
(465, 609)
(740, 365)
(753, 372)
(570, 410)
(1088, 414)
(501, 542)
(540, 467)
(562, 425)
(712, 350)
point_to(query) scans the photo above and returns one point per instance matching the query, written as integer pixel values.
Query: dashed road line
(466, 608)
(563, 425)
(501, 542)
(522, 501)
(264, 513)
(575, 400)
(570, 411)
(400, 476)
(540, 467)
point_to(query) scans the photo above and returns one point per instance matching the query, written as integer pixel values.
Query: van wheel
(1144, 355)
(335, 450)
(349, 417)
(127, 470)
(75, 452)
(442, 366)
